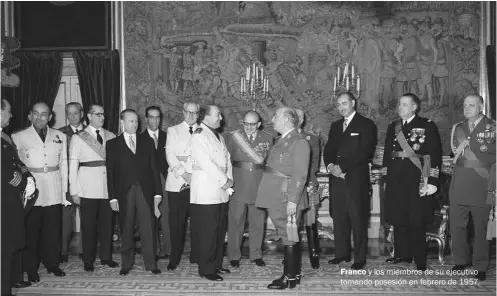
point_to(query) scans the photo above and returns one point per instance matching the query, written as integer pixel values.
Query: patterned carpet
(252, 280)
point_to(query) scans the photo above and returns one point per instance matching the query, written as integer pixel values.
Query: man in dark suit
(74, 114)
(15, 179)
(350, 148)
(134, 189)
(411, 162)
(153, 117)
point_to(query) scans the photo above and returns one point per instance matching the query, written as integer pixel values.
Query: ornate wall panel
(179, 51)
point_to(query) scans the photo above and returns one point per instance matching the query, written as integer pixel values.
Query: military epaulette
(460, 122)
(198, 130)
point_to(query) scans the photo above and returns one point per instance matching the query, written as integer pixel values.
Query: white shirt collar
(284, 135)
(195, 125)
(349, 118)
(151, 133)
(408, 120)
(79, 128)
(126, 135)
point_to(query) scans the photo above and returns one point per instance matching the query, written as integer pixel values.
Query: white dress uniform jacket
(48, 156)
(87, 182)
(211, 164)
(178, 154)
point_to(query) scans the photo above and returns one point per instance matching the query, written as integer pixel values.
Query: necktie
(345, 123)
(76, 131)
(42, 134)
(252, 138)
(156, 141)
(471, 127)
(99, 137)
(132, 144)
(191, 129)
(403, 123)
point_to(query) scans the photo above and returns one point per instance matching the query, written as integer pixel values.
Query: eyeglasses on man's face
(251, 124)
(194, 113)
(98, 114)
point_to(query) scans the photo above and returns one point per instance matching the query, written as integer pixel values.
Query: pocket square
(354, 134)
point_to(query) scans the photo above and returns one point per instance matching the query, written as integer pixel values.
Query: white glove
(30, 187)
(427, 189)
(230, 191)
(65, 202)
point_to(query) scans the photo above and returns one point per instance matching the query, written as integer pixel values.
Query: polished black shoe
(213, 277)
(89, 267)
(222, 270)
(156, 271)
(283, 282)
(171, 266)
(235, 263)
(34, 278)
(397, 260)
(481, 276)
(109, 263)
(358, 265)
(339, 260)
(461, 267)
(63, 258)
(259, 262)
(56, 271)
(298, 277)
(123, 271)
(21, 285)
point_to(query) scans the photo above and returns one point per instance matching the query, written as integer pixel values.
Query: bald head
(251, 122)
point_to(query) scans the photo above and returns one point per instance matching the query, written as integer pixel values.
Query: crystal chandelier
(349, 81)
(254, 87)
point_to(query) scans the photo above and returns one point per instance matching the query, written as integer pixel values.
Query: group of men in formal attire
(157, 180)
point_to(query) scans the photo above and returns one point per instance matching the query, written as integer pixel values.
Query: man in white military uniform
(88, 187)
(44, 151)
(178, 181)
(212, 179)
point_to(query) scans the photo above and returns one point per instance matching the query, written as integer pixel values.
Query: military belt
(248, 165)
(472, 164)
(198, 168)
(92, 164)
(403, 154)
(270, 170)
(44, 169)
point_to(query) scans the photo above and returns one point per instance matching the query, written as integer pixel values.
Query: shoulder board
(198, 130)
(460, 122)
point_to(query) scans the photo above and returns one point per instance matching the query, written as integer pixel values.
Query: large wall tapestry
(182, 51)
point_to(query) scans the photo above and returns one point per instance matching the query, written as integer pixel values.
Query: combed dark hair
(90, 109)
(121, 116)
(415, 99)
(349, 95)
(76, 104)
(156, 108)
(36, 103)
(203, 111)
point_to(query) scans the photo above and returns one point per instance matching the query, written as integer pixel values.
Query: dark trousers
(179, 204)
(459, 224)
(350, 216)
(6, 281)
(165, 247)
(208, 226)
(43, 238)
(410, 241)
(137, 211)
(96, 217)
(68, 218)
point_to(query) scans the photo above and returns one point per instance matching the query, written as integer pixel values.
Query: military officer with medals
(74, 114)
(411, 162)
(88, 187)
(44, 151)
(312, 193)
(281, 191)
(17, 184)
(248, 149)
(473, 145)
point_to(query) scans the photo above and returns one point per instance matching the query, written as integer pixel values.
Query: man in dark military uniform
(15, 179)
(248, 149)
(311, 193)
(473, 144)
(411, 162)
(281, 190)
(347, 154)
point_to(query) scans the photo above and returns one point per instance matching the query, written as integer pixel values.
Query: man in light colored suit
(178, 180)
(44, 151)
(212, 179)
(88, 187)
(74, 114)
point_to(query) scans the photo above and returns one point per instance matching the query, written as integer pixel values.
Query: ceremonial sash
(467, 153)
(7, 138)
(247, 148)
(413, 157)
(92, 142)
